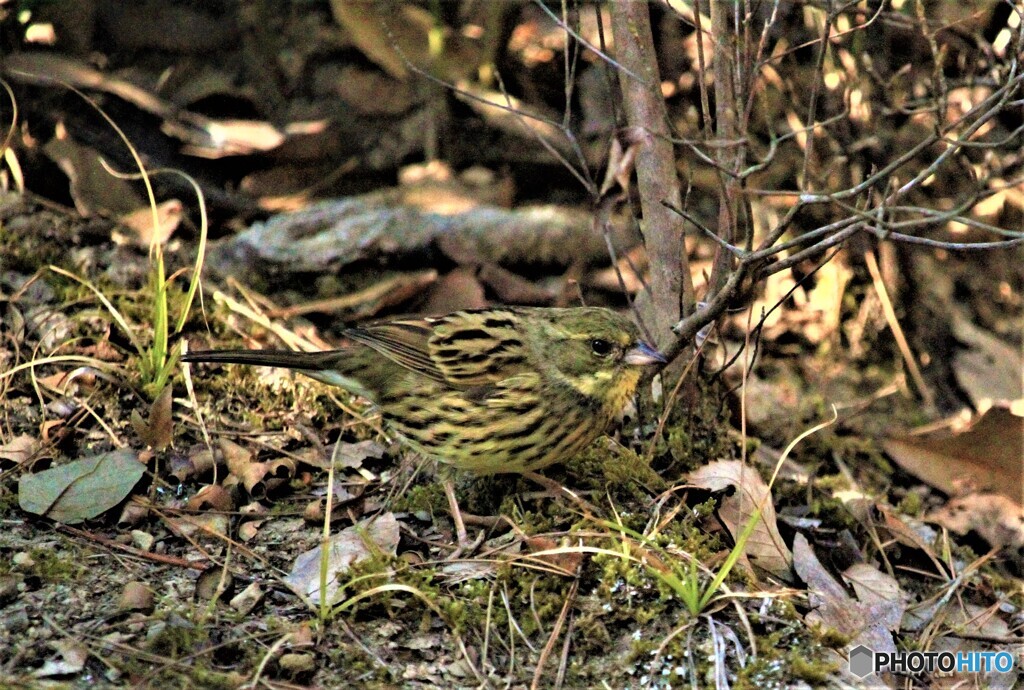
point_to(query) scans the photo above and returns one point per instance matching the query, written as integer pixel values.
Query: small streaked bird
(490, 390)
(510, 389)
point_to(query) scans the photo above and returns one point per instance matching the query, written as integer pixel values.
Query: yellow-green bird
(509, 389)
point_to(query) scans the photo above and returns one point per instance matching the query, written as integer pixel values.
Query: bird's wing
(404, 342)
(477, 348)
(465, 350)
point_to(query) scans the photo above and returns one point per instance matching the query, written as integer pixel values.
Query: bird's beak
(644, 355)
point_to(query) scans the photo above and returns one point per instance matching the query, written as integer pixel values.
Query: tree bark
(671, 285)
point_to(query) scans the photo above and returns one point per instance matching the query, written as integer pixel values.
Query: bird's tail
(288, 359)
(334, 367)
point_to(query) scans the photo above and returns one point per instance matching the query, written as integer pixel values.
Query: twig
(897, 331)
(146, 555)
(546, 652)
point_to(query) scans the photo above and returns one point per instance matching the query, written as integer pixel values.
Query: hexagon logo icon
(861, 661)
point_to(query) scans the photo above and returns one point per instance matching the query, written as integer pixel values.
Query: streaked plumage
(491, 390)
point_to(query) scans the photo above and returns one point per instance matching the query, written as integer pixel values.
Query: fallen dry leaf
(352, 455)
(824, 301)
(235, 137)
(986, 456)
(383, 293)
(868, 621)
(965, 621)
(247, 531)
(956, 615)
(211, 497)
(136, 596)
(353, 544)
(214, 583)
(157, 432)
(890, 525)
(282, 468)
(248, 599)
(386, 36)
(765, 547)
(513, 288)
(988, 369)
(81, 489)
(70, 658)
(140, 221)
(132, 514)
(252, 475)
(195, 464)
(622, 158)
(58, 381)
(996, 518)
(17, 452)
(568, 561)
(207, 524)
(878, 591)
(459, 289)
(93, 189)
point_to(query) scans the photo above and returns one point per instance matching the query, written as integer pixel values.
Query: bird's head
(595, 351)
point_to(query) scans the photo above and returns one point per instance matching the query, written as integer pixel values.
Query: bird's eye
(601, 348)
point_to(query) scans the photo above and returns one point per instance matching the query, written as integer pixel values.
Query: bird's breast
(516, 425)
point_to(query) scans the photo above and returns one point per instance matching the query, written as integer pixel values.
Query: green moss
(175, 637)
(216, 680)
(832, 511)
(35, 244)
(56, 565)
(622, 467)
(680, 444)
(787, 651)
(830, 637)
(619, 604)
(347, 661)
(428, 498)
(680, 652)
(8, 501)
(830, 483)
(911, 504)
(815, 670)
